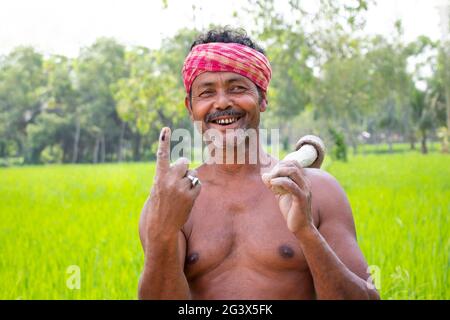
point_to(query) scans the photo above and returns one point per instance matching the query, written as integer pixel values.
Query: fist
(172, 196)
(288, 182)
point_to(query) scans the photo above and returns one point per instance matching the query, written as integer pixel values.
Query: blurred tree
(109, 103)
(344, 96)
(438, 91)
(22, 92)
(424, 115)
(305, 46)
(443, 71)
(98, 68)
(170, 58)
(148, 99)
(152, 96)
(63, 102)
(339, 150)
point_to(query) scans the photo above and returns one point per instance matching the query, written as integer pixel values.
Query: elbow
(358, 292)
(373, 294)
(143, 292)
(368, 293)
(140, 293)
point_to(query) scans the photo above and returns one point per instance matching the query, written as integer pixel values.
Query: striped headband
(227, 57)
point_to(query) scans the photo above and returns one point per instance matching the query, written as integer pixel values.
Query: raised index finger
(163, 154)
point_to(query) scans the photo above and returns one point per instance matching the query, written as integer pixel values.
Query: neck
(238, 160)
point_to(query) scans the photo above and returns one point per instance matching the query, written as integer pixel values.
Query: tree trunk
(64, 155)
(2, 149)
(20, 147)
(137, 147)
(122, 133)
(96, 147)
(351, 137)
(424, 147)
(103, 148)
(412, 141)
(354, 142)
(291, 139)
(389, 140)
(76, 141)
(33, 155)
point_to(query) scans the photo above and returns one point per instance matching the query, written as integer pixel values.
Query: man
(233, 237)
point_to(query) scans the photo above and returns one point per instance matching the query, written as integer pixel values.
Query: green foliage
(339, 150)
(22, 91)
(109, 103)
(152, 94)
(52, 154)
(352, 83)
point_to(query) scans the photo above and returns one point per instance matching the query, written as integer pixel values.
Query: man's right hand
(172, 196)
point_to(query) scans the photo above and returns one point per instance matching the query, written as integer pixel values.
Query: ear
(263, 105)
(188, 106)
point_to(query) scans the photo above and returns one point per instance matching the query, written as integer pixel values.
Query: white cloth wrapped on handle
(310, 152)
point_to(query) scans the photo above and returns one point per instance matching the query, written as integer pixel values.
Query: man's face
(225, 101)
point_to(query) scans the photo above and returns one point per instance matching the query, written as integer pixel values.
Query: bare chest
(235, 229)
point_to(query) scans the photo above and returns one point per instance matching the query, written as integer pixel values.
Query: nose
(222, 101)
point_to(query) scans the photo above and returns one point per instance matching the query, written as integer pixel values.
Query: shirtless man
(232, 237)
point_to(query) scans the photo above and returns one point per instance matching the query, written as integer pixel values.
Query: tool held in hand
(310, 152)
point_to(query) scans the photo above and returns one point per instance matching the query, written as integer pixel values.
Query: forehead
(215, 78)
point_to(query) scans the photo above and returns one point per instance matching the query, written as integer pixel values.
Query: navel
(285, 251)
(192, 258)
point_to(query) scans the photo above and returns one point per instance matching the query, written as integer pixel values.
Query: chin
(229, 139)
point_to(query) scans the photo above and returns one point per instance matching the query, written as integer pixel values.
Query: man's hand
(293, 191)
(172, 196)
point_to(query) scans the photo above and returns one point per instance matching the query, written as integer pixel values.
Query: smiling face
(225, 101)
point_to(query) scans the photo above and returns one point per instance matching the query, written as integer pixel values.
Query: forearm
(332, 279)
(163, 276)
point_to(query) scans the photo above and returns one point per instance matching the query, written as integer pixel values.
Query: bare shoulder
(324, 183)
(330, 197)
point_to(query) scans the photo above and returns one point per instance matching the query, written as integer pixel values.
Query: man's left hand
(293, 190)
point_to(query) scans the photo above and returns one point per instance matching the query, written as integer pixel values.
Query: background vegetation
(380, 103)
(87, 216)
(108, 104)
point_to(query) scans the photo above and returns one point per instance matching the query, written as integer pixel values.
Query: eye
(238, 89)
(206, 93)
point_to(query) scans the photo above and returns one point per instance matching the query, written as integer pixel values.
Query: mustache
(217, 114)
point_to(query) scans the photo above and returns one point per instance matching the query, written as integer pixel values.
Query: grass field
(54, 217)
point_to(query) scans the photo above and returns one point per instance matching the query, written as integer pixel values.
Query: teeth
(226, 121)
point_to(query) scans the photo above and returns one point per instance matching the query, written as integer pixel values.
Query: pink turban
(227, 57)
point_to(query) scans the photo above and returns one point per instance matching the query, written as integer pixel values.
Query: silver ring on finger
(194, 180)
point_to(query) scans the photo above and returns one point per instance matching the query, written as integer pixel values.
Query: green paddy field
(55, 217)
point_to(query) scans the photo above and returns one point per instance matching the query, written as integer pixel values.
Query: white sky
(64, 26)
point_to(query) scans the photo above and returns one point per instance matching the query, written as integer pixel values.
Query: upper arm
(336, 224)
(181, 241)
